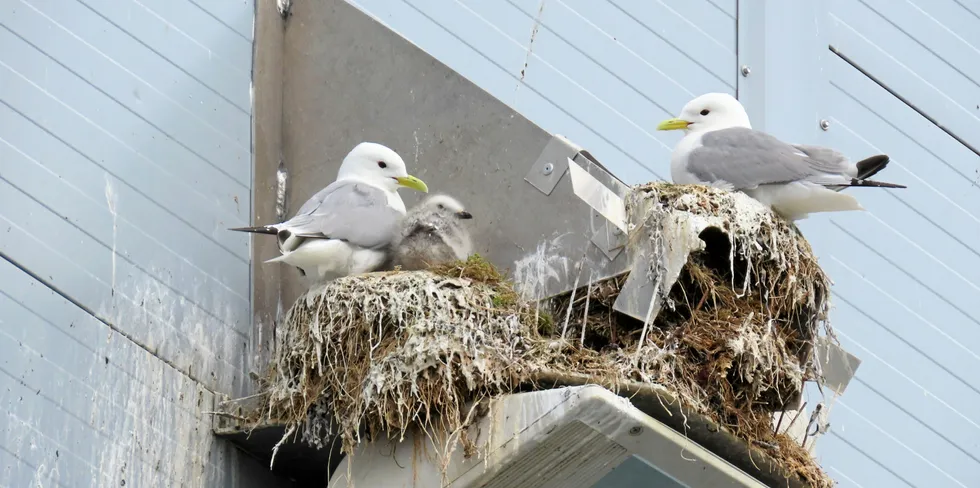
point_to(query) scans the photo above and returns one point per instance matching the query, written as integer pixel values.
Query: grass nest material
(735, 338)
(380, 353)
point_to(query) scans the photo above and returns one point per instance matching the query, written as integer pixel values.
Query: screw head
(635, 430)
(825, 124)
(746, 70)
(548, 168)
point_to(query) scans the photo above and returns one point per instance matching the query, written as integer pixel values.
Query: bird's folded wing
(317, 199)
(348, 210)
(827, 159)
(747, 158)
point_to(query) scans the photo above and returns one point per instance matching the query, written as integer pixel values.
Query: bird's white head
(379, 166)
(446, 205)
(711, 111)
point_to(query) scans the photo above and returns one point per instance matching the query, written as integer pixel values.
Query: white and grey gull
(721, 149)
(347, 228)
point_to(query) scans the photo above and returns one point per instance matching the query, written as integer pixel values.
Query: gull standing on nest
(434, 232)
(346, 228)
(721, 149)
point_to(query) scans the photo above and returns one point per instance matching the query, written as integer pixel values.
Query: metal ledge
(306, 464)
(659, 403)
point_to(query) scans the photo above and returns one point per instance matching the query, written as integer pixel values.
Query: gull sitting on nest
(346, 228)
(721, 149)
(433, 233)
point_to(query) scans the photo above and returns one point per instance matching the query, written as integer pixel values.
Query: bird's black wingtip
(254, 230)
(874, 184)
(870, 166)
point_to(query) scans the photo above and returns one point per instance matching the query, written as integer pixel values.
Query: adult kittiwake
(721, 149)
(347, 227)
(432, 233)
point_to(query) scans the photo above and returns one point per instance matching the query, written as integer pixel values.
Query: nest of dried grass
(735, 338)
(389, 351)
(385, 352)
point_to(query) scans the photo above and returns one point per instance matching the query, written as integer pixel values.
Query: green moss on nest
(478, 269)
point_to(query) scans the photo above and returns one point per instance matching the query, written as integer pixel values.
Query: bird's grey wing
(747, 158)
(350, 211)
(317, 199)
(826, 159)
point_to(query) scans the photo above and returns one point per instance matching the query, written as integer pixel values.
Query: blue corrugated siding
(907, 272)
(927, 52)
(83, 406)
(125, 133)
(904, 280)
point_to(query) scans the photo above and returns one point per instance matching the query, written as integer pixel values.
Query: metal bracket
(639, 292)
(570, 220)
(610, 240)
(837, 366)
(607, 205)
(552, 164)
(598, 196)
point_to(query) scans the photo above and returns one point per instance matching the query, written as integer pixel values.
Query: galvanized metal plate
(455, 136)
(551, 164)
(577, 252)
(836, 364)
(609, 239)
(598, 196)
(642, 294)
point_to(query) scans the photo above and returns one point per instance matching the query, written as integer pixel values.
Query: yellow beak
(413, 183)
(673, 124)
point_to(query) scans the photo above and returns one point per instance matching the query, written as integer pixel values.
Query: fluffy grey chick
(433, 232)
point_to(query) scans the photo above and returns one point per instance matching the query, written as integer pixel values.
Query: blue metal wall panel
(906, 284)
(84, 406)
(125, 167)
(907, 272)
(601, 73)
(125, 133)
(909, 48)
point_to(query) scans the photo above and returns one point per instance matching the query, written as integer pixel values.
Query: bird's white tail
(276, 259)
(795, 200)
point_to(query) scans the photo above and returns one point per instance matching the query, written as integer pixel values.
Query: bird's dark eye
(705, 112)
(441, 207)
(382, 164)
